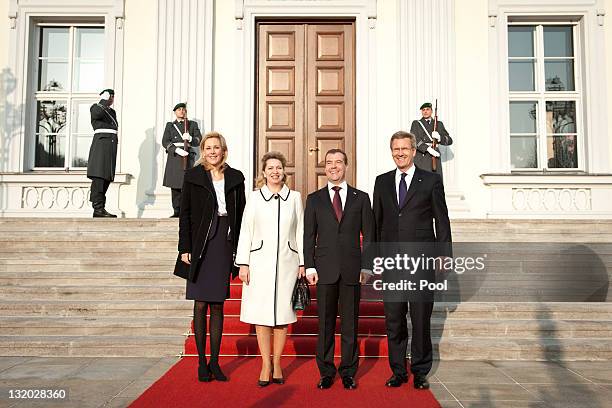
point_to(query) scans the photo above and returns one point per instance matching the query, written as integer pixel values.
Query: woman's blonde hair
(202, 159)
(261, 180)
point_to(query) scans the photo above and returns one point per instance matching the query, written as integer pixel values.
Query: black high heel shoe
(203, 373)
(262, 383)
(278, 380)
(216, 372)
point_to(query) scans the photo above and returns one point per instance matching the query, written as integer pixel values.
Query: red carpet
(179, 387)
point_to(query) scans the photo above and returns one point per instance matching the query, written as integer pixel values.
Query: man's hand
(186, 257)
(364, 277)
(180, 152)
(186, 136)
(435, 135)
(431, 151)
(313, 278)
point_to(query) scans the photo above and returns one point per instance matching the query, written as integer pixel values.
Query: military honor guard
(179, 138)
(103, 151)
(429, 132)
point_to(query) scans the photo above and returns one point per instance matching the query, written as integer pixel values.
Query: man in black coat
(174, 140)
(409, 207)
(423, 130)
(103, 151)
(334, 218)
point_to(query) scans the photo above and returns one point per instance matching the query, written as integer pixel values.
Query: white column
(427, 73)
(184, 74)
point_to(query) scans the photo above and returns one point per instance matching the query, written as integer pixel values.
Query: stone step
(92, 292)
(93, 326)
(92, 346)
(86, 265)
(45, 279)
(181, 308)
(95, 308)
(446, 348)
(441, 327)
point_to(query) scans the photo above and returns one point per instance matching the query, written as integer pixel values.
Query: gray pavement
(117, 381)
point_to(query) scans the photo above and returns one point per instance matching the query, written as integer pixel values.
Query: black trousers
(421, 354)
(328, 297)
(97, 194)
(176, 200)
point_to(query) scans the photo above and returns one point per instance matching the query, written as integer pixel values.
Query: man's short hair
(334, 151)
(403, 135)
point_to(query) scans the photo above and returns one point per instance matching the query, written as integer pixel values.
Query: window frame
(70, 96)
(541, 96)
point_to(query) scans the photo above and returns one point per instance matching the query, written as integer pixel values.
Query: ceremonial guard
(429, 132)
(103, 151)
(179, 137)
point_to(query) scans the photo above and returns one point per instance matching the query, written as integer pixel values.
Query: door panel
(305, 98)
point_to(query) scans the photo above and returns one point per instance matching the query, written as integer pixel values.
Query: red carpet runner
(179, 386)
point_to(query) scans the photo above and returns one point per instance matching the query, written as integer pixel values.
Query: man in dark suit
(407, 201)
(334, 218)
(423, 130)
(174, 140)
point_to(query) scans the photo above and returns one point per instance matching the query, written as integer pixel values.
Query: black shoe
(174, 216)
(325, 383)
(420, 382)
(102, 213)
(396, 381)
(263, 383)
(203, 373)
(278, 380)
(216, 372)
(349, 383)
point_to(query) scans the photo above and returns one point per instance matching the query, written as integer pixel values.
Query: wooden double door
(305, 98)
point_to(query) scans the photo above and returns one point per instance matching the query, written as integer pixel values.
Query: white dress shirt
(398, 177)
(220, 193)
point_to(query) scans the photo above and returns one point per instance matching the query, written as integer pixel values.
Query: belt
(182, 145)
(113, 131)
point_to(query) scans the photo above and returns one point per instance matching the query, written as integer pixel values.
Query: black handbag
(181, 269)
(301, 294)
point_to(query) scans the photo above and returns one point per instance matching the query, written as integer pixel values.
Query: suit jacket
(423, 158)
(414, 222)
(333, 247)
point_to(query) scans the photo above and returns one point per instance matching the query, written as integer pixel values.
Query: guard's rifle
(434, 144)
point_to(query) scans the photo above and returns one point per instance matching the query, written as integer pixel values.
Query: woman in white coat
(271, 259)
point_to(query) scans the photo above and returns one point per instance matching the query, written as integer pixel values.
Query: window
(545, 99)
(69, 75)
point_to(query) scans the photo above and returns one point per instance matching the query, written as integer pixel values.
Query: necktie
(403, 190)
(337, 203)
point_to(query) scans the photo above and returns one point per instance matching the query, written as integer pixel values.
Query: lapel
(414, 185)
(233, 178)
(390, 186)
(327, 202)
(351, 197)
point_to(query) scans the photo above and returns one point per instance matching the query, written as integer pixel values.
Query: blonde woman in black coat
(211, 210)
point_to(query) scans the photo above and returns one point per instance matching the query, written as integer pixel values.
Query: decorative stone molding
(56, 194)
(549, 195)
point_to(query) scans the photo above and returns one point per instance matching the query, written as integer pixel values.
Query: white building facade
(524, 88)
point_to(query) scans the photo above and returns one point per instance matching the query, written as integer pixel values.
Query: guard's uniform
(174, 173)
(422, 130)
(102, 153)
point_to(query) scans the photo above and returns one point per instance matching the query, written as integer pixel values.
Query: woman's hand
(186, 257)
(244, 274)
(301, 272)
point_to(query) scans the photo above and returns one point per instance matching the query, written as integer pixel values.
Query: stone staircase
(85, 287)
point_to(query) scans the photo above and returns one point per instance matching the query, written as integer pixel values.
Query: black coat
(199, 209)
(423, 159)
(333, 247)
(103, 151)
(174, 172)
(414, 222)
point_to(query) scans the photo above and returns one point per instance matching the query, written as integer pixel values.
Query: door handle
(313, 149)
